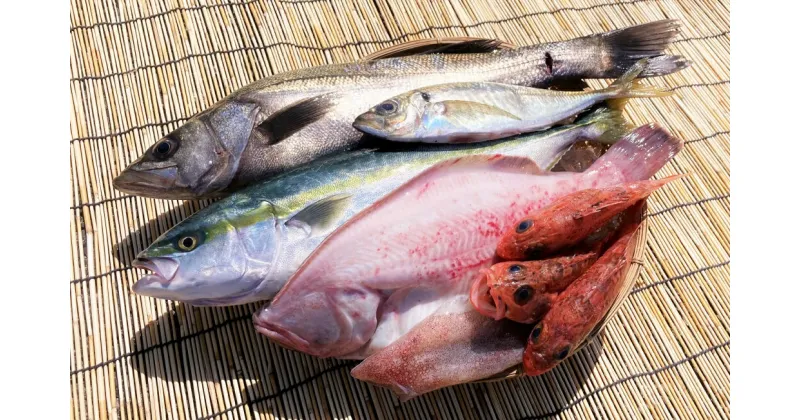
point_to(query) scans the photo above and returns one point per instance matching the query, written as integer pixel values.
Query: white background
(765, 166)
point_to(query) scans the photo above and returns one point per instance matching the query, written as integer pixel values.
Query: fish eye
(514, 269)
(425, 96)
(165, 148)
(523, 295)
(561, 355)
(187, 243)
(524, 225)
(387, 107)
(536, 332)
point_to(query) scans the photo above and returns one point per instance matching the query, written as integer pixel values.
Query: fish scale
(287, 120)
(267, 230)
(461, 196)
(456, 344)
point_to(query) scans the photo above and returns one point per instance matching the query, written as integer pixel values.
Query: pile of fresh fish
(570, 277)
(427, 210)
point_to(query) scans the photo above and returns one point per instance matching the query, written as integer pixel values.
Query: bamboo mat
(141, 68)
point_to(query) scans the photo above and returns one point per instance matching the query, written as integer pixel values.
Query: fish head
(218, 256)
(325, 322)
(521, 239)
(198, 159)
(548, 345)
(516, 292)
(397, 118)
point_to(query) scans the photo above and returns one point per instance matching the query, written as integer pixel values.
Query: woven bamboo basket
(638, 242)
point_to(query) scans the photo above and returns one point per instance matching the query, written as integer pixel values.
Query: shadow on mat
(218, 352)
(125, 250)
(211, 350)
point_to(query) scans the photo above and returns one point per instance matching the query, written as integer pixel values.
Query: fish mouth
(484, 300)
(369, 124)
(156, 182)
(278, 334)
(157, 283)
(535, 364)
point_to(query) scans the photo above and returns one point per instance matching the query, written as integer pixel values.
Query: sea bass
(480, 111)
(292, 118)
(437, 232)
(244, 247)
(581, 306)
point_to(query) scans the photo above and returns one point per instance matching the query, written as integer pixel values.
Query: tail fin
(610, 123)
(628, 45)
(640, 154)
(665, 64)
(628, 86)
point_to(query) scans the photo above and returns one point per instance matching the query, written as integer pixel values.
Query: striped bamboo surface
(140, 68)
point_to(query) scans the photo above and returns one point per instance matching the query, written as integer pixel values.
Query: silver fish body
(244, 247)
(480, 111)
(289, 119)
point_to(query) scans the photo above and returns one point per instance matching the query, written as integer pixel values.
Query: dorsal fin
(498, 162)
(455, 45)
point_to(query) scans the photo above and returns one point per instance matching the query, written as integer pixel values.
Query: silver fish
(243, 248)
(480, 111)
(289, 119)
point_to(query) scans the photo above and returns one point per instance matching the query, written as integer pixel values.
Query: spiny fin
(455, 45)
(287, 121)
(322, 215)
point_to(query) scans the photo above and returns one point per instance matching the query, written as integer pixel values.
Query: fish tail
(640, 154)
(628, 45)
(610, 123)
(629, 86)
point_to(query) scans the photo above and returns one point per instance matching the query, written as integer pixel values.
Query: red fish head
(517, 292)
(517, 243)
(483, 300)
(545, 350)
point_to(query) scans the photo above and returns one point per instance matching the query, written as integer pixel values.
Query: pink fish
(457, 345)
(454, 345)
(436, 232)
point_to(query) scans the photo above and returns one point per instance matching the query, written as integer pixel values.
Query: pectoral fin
(287, 121)
(321, 216)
